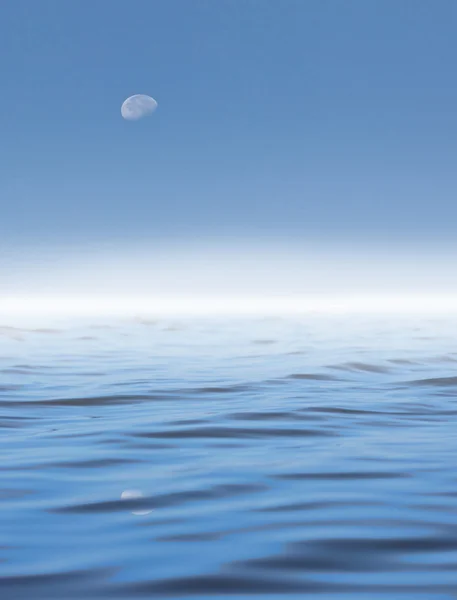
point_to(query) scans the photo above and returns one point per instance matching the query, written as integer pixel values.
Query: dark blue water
(310, 458)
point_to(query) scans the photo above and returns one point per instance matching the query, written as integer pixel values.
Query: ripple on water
(171, 462)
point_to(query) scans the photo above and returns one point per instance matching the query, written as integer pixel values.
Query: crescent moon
(138, 106)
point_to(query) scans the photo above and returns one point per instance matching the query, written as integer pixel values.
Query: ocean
(305, 457)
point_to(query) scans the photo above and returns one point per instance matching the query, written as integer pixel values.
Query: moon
(138, 106)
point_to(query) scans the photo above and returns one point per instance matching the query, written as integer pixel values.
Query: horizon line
(197, 305)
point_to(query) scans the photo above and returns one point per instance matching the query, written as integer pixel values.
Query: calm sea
(298, 458)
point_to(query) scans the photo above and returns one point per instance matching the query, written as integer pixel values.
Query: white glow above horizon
(222, 271)
(91, 306)
(212, 280)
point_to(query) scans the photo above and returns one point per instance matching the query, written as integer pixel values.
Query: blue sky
(288, 119)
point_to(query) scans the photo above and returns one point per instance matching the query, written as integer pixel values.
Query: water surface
(275, 458)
